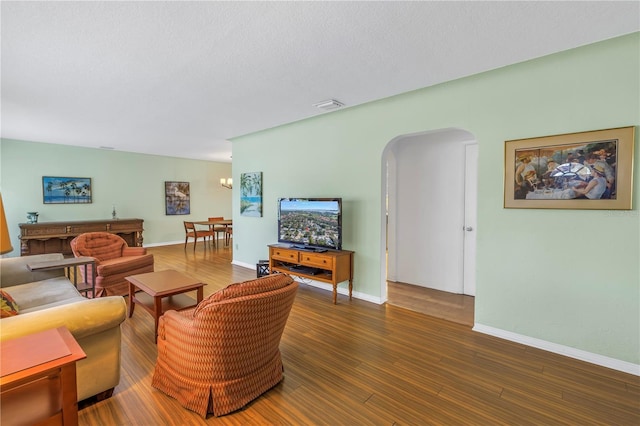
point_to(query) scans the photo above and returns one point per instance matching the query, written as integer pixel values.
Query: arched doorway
(428, 217)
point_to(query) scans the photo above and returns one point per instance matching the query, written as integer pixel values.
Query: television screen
(310, 222)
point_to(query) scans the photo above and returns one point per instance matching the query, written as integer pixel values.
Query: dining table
(220, 222)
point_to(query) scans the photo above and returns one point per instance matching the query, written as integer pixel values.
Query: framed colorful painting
(177, 198)
(587, 170)
(251, 194)
(66, 190)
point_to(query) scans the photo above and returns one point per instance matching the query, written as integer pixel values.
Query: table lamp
(5, 239)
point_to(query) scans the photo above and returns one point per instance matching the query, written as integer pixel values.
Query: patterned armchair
(221, 355)
(114, 261)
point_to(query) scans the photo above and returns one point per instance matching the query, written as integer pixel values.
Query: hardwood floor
(357, 363)
(458, 308)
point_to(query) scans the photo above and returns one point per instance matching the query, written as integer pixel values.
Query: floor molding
(604, 361)
(324, 286)
(243, 264)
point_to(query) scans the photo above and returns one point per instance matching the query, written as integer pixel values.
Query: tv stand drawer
(317, 260)
(284, 254)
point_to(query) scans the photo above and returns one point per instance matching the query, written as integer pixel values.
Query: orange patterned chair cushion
(101, 245)
(224, 354)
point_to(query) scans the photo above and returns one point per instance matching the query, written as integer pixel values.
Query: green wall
(564, 276)
(569, 277)
(133, 182)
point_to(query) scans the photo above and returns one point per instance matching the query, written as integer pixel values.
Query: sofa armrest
(82, 318)
(134, 251)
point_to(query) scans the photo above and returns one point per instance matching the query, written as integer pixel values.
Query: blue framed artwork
(251, 194)
(66, 190)
(177, 198)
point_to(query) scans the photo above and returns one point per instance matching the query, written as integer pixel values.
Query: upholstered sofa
(47, 299)
(224, 353)
(115, 260)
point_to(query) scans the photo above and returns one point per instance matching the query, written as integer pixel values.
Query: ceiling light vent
(329, 105)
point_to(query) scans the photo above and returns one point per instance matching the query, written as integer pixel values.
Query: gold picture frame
(586, 170)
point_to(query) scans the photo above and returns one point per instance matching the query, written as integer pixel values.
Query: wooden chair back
(192, 232)
(217, 229)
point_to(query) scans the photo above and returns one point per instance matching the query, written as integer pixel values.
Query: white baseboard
(318, 284)
(170, 243)
(604, 361)
(340, 290)
(244, 265)
(167, 243)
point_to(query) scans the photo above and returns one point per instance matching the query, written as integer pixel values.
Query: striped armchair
(224, 353)
(115, 260)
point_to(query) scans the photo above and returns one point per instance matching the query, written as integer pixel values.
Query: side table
(162, 291)
(38, 379)
(68, 263)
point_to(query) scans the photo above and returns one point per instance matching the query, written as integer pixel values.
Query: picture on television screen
(310, 222)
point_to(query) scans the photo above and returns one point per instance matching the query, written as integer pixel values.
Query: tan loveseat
(46, 300)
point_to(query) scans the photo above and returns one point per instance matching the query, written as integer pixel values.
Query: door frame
(470, 218)
(387, 205)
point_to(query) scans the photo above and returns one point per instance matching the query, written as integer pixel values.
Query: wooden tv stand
(331, 266)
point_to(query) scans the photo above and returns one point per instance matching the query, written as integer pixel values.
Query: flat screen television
(310, 223)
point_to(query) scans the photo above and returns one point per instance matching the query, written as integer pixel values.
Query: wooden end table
(162, 291)
(38, 379)
(68, 263)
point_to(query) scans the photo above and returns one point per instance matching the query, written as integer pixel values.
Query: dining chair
(192, 232)
(218, 229)
(228, 234)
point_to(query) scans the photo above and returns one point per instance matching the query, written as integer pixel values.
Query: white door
(470, 214)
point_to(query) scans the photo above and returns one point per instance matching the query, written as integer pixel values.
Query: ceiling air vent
(329, 105)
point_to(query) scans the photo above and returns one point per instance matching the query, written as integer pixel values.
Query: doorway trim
(388, 167)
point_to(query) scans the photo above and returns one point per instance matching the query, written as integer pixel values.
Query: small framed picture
(588, 170)
(66, 190)
(251, 194)
(177, 198)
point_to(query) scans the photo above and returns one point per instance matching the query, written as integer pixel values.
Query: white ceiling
(181, 78)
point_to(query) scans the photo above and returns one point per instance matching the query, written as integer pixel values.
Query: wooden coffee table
(162, 291)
